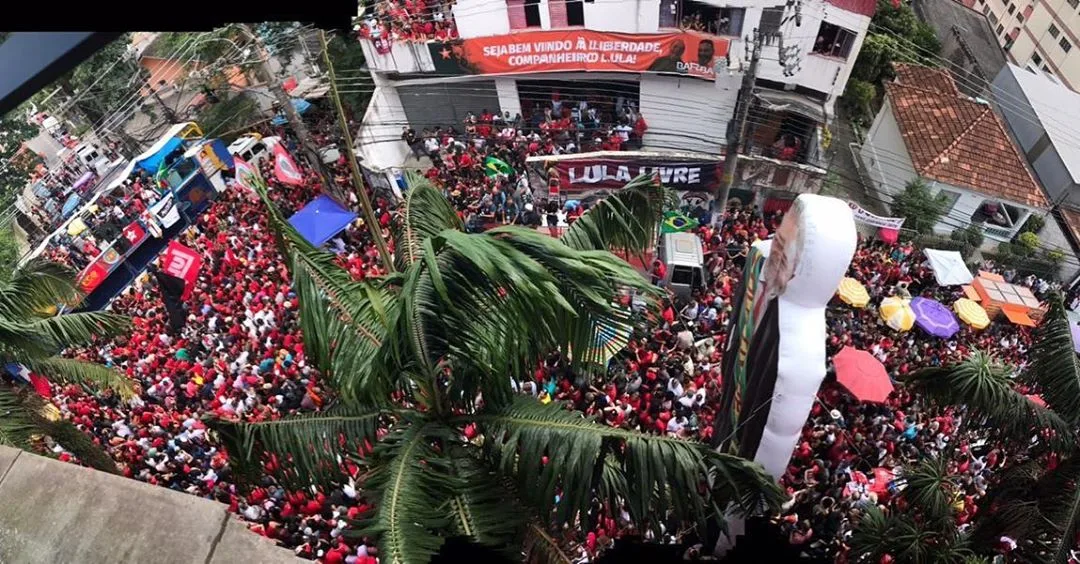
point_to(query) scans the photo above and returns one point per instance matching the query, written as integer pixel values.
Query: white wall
(685, 114)
(619, 16)
(885, 155)
(379, 140)
(403, 57)
(509, 100)
(479, 18)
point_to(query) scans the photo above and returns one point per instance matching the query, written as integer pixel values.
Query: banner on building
(285, 168)
(684, 52)
(580, 176)
(181, 262)
(93, 276)
(863, 216)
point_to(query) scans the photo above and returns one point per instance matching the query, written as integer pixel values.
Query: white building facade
(515, 54)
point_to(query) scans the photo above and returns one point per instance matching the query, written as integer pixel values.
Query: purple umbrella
(1076, 337)
(934, 318)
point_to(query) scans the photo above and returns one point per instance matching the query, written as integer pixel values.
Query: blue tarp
(321, 219)
(70, 205)
(153, 162)
(301, 106)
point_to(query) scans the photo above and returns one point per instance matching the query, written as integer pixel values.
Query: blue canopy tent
(321, 219)
(70, 205)
(152, 162)
(301, 105)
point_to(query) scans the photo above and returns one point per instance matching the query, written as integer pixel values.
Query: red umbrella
(862, 375)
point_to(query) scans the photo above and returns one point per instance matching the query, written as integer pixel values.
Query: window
(1053, 31)
(993, 18)
(575, 12)
(1000, 29)
(833, 41)
(770, 20)
(986, 10)
(1065, 45)
(1020, 17)
(698, 16)
(950, 199)
(1073, 3)
(669, 13)
(1036, 59)
(532, 13)
(1012, 9)
(682, 275)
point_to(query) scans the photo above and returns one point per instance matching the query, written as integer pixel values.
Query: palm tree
(1036, 506)
(436, 348)
(32, 335)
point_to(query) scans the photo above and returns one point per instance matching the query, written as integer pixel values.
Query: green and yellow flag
(675, 222)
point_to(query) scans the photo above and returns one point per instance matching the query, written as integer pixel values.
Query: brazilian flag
(493, 166)
(675, 222)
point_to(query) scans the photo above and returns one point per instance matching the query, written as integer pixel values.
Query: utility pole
(285, 102)
(169, 113)
(737, 126)
(354, 167)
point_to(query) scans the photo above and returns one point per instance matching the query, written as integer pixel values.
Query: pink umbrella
(862, 375)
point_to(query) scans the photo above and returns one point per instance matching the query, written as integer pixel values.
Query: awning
(152, 162)
(321, 219)
(1018, 317)
(299, 104)
(949, 268)
(971, 294)
(778, 101)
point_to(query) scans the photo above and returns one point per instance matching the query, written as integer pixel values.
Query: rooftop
(968, 42)
(954, 139)
(1057, 109)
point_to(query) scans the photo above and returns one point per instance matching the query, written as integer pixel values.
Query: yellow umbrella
(971, 313)
(853, 293)
(897, 313)
(76, 226)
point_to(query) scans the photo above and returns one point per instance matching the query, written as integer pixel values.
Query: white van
(252, 148)
(684, 257)
(92, 158)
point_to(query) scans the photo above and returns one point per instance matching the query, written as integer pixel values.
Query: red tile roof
(864, 7)
(956, 140)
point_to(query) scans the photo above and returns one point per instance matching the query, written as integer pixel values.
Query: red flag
(285, 168)
(93, 276)
(181, 262)
(41, 385)
(135, 233)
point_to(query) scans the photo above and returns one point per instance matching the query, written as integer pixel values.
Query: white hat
(528, 207)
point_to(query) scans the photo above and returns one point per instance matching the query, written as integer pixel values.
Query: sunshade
(1018, 317)
(70, 205)
(934, 318)
(948, 266)
(897, 313)
(971, 313)
(862, 375)
(321, 219)
(853, 293)
(76, 226)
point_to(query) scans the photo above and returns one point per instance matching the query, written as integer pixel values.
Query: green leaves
(16, 424)
(423, 215)
(68, 371)
(625, 221)
(983, 385)
(655, 474)
(315, 443)
(1055, 368)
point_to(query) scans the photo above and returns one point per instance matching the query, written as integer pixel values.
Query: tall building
(675, 61)
(1038, 35)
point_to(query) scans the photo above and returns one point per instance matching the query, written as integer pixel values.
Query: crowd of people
(240, 353)
(408, 20)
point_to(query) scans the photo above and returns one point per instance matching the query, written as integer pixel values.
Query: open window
(834, 41)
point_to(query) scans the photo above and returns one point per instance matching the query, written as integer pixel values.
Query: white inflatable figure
(775, 360)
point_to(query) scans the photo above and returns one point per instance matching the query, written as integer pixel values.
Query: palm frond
(17, 426)
(627, 220)
(495, 303)
(310, 446)
(36, 286)
(46, 418)
(983, 385)
(872, 536)
(660, 472)
(1055, 368)
(929, 489)
(539, 546)
(1044, 514)
(481, 509)
(424, 214)
(72, 329)
(70, 371)
(344, 322)
(410, 480)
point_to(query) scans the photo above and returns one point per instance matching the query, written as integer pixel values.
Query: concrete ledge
(58, 512)
(239, 544)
